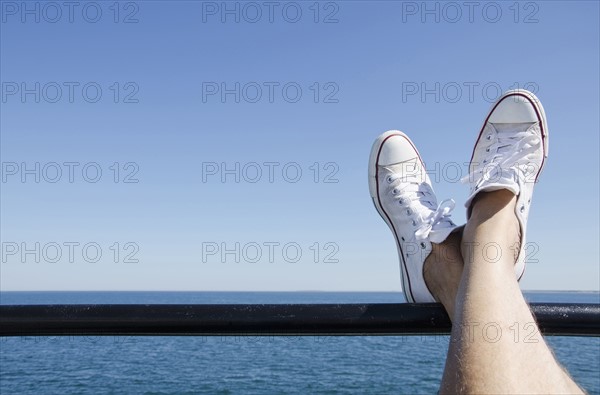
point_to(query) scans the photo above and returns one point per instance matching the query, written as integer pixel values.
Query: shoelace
(506, 160)
(413, 191)
(437, 217)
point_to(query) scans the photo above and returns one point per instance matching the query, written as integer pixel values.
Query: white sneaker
(403, 196)
(510, 153)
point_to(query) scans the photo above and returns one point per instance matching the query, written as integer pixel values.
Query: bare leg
(443, 270)
(495, 344)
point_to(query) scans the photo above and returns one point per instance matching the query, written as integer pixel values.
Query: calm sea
(247, 365)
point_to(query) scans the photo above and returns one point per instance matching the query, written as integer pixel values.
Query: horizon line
(263, 291)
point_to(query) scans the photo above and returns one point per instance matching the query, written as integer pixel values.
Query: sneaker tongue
(506, 131)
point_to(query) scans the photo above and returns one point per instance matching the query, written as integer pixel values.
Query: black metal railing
(267, 319)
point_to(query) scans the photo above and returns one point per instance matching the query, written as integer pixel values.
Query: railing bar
(267, 319)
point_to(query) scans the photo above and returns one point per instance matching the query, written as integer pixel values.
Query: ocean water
(247, 365)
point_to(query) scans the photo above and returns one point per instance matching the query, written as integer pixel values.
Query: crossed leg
(495, 344)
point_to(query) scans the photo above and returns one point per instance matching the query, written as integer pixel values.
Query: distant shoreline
(300, 291)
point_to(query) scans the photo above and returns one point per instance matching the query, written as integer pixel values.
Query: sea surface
(248, 365)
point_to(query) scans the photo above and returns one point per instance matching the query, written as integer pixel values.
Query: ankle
(493, 233)
(496, 210)
(442, 271)
(489, 204)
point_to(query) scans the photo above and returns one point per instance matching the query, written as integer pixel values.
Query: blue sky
(188, 97)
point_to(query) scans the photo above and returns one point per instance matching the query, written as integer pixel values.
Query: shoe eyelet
(523, 208)
(389, 179)
(423, 245)
(414, 222)
(402, 238)
(489, 137)
(394, 191)
(408, 211)
(487, 149)
(401, 201)
(485, 161)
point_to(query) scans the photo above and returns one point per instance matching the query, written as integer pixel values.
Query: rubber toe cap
(514, 108)
(396, 149)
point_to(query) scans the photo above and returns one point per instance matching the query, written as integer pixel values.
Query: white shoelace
(507, 156)
(441, 215)
(413, 192)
